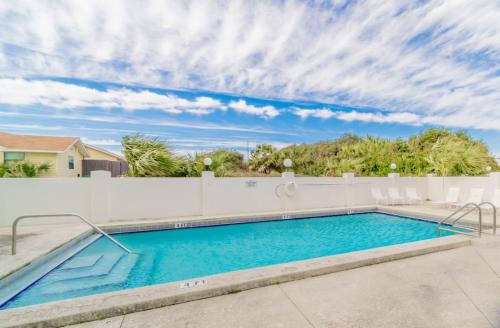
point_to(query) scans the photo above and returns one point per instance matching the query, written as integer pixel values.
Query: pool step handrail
(494, 208)
(459, 231)
(92, 225)
(469, 207)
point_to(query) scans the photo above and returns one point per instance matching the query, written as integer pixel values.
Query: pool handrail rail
(494, 208)
(92, 225)
(465, 206)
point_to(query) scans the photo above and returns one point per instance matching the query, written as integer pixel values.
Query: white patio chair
(395, 197)
(451, 197)
(379, 198)
(412, 196)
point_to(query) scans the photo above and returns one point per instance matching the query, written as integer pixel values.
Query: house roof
(17, 142)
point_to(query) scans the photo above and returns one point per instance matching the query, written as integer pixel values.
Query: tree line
(438, 151)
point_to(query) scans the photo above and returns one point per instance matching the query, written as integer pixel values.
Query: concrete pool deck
(454, 288)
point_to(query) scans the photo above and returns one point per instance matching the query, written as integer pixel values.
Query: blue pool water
(173, 255)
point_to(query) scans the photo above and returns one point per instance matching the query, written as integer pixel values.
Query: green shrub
(438, 151)
(23, 169)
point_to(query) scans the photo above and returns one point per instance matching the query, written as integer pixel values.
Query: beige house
(65, 154)
(102, 154)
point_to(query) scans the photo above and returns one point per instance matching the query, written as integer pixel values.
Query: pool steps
(110, 271)
(25, 277)
(81, 262)
(102, 268)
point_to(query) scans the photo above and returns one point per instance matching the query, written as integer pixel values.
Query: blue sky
(203, 75)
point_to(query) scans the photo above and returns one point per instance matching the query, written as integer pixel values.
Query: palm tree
(452, 155)
(148, 157)
(265, 159)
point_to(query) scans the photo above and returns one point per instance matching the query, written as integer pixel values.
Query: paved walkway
(456, 288)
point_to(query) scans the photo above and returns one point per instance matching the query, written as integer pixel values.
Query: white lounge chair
(475, 196)
(451, 197)
(412, 196)
(379, 198)
(395, 197)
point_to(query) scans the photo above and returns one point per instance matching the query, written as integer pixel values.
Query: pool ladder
(464, 211)
(92, 225)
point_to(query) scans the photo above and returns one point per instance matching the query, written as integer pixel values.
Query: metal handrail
(475, 206)
(464, 214)
(494, 215)
(16, 221)
(458, 210)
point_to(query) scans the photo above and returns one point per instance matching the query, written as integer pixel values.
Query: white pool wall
(105, 199)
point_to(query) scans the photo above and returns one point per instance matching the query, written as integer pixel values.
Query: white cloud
(101, 142)
(199, 111)
(241, 106)
(134, 121)
(323, 113)
(430, 58)
(403, 118)
(55, 94)
(24, 127)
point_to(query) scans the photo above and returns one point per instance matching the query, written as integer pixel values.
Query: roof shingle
(35, 143)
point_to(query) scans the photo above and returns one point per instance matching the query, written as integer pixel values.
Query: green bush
(224, 163)
(23, 169)
(437, 151)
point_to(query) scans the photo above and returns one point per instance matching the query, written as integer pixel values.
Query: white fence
(105, 199)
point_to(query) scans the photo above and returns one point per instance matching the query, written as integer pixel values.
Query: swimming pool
(173, 255)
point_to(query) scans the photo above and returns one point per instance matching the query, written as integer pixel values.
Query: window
(71, 163)
(13, 156)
